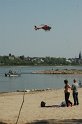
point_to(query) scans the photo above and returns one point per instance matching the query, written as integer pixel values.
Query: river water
(35, 81)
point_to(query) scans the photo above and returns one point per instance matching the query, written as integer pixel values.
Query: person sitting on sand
(67, 93)
(75, 92)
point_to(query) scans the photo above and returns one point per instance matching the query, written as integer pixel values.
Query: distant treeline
(21, 60)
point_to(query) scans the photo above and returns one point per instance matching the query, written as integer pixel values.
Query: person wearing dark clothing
(67, 93)
(75, 92)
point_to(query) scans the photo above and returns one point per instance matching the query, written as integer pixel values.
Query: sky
(17, 34)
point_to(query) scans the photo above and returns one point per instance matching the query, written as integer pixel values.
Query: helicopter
(44, 27)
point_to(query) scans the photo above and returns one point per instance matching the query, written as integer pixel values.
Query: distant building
(79, 59)
(11, 57)
(80, 56)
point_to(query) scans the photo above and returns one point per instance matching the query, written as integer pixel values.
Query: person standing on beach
(75, 92)
(67, 89)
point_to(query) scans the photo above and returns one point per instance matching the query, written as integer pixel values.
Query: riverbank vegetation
(48, 61)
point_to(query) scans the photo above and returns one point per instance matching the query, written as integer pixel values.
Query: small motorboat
(12, 74)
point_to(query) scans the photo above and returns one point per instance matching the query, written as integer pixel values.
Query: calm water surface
(34, 81)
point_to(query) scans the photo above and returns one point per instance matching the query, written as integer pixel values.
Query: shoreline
(32, 113)
(31, 91)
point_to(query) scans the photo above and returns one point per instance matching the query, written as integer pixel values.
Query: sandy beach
(32, 113)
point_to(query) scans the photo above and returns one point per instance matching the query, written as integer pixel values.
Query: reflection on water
(35, 81)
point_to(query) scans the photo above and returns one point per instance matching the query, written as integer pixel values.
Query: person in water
(67, 89)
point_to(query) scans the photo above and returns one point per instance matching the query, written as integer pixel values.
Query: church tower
(80, 57)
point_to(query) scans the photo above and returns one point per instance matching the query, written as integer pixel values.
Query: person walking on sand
(75, 92)
(67, 89)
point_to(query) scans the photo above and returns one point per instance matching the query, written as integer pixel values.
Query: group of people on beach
(67, 89)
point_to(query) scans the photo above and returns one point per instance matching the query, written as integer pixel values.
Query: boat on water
(12, 74)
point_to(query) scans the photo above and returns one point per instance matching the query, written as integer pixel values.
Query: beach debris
(27, 91)
(42, 104)
(34, 90)
(63, 104)
(20, 108)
